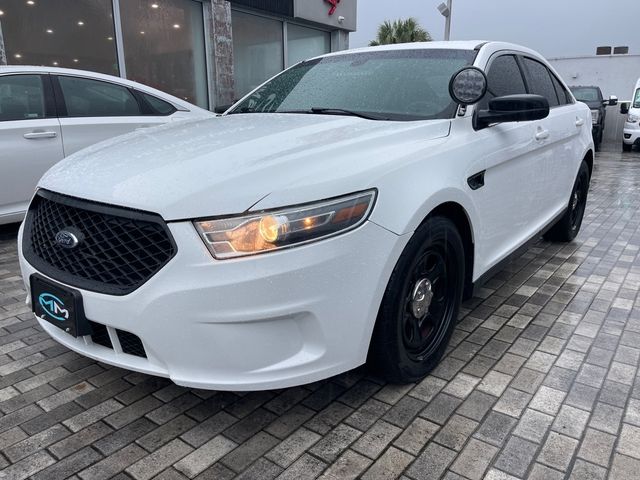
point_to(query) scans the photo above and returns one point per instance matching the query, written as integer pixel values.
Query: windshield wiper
(336, 111)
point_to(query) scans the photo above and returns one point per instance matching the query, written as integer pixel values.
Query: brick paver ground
(541, 382)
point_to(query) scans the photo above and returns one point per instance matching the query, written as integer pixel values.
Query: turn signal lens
(252, 234)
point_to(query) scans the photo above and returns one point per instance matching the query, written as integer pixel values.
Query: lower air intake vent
(100, 335)
(131, 344)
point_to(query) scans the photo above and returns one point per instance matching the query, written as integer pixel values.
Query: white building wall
(614, 74)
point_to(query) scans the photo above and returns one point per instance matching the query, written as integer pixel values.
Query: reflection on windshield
(636, 100)
(394, 85)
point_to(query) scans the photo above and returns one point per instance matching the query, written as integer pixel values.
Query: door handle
(579, 122)
(38, 135)
(542, 134)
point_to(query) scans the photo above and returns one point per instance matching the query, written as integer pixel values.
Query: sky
(555, 28)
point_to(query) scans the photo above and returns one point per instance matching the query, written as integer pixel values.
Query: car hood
(227, 165)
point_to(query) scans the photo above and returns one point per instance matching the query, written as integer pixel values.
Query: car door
(556, 137)
(508, 199)
(92, 110)
(30, 139)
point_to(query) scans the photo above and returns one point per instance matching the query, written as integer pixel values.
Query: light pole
(445, 10)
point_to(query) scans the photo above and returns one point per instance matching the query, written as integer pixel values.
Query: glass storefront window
(304, 43)
(258, 50)
(164, 46)
(60, 33)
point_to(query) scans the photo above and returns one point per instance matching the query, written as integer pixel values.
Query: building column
(220, 47)
(339, 40)
(3, 53)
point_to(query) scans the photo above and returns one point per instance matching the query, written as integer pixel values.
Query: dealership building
(208, 52)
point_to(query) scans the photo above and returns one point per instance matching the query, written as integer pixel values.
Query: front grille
(118, 249)
(131, 344)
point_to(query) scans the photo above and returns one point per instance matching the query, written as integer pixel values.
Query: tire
(626, 147)
(566, 229)
(406, 347)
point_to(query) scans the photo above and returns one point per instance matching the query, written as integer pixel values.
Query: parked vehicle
(49, 113)
(316, 224)
(592, 96)
(631, 132)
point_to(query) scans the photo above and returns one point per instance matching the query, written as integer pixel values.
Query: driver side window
(504, 78)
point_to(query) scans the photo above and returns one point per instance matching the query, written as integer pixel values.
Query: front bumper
(269, 321)
(631, 133)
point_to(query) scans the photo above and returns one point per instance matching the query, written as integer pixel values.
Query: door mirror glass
(468, 86)
(512, 108)
(613, 101)
(624, 108)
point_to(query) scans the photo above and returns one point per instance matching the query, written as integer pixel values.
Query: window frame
(50, 110)
(62, 106)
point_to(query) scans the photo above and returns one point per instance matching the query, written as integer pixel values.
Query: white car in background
(631, 132)
(337, 213)
(47, 114)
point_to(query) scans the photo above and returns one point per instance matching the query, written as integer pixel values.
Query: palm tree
(400, 31)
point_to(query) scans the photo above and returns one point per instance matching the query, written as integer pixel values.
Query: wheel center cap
(421, 298)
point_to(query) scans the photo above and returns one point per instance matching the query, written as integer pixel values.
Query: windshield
(384, 85)
(585, 94)
(636, 99)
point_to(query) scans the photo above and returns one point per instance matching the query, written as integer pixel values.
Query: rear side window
(158, 107)
(539, 80)
(504, 78)
(85, 97)
(563, 94)
(21, 97)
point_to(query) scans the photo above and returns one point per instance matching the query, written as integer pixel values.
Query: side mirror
(512, 108)
(468, 85)
(624, 108)
(612, 102)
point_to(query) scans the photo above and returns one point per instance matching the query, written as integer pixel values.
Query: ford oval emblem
(67, 239)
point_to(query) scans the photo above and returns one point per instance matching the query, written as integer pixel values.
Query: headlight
(595, 116)
(633, 118)
(283, 228)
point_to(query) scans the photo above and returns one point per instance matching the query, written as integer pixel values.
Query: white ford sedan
(47, 114)
(338, 213)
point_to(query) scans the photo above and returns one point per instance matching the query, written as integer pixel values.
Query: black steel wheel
(421, 303)
(566, 229)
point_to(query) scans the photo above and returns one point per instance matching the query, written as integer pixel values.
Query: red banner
(334, 5)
